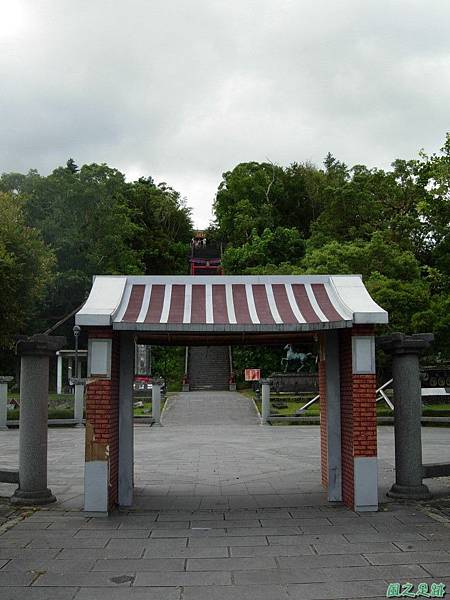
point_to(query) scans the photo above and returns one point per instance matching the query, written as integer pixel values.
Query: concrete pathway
(223, 409)
(225, 510)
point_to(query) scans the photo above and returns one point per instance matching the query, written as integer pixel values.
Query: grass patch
(53, 413)
(294, 403)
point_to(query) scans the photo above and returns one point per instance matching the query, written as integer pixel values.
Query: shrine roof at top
(273, 303)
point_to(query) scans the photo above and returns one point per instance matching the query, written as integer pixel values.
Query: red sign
(142, 379)
(252, 374)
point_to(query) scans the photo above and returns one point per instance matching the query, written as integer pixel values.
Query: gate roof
(273, 303)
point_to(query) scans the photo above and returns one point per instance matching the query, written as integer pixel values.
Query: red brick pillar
(102, 421)
(323, 415)
(358, 418)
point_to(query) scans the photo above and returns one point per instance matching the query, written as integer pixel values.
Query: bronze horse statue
(300, 361)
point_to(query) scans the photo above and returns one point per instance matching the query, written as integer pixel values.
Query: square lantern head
(363, 355)
(99, 358)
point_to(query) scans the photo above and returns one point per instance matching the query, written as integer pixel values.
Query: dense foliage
(57, 231)
(392, 227)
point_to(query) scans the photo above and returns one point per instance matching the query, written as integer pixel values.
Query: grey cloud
(185, 90)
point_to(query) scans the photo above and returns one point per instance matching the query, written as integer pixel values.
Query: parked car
(143, 383)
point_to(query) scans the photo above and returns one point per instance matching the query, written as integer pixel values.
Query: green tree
(26, 265)
(84, 217)
(245, 200)
(165, 227)
(392, 275)
(272, 247)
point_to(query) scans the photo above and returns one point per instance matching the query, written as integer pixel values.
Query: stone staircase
(208, 367)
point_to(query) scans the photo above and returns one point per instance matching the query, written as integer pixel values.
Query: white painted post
(78, 401)
(265, 401)
(126, 432)
(59, 373)
(333, 399)
(69, 369)
(156, 401)
(4, 401)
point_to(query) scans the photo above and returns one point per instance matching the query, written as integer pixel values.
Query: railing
(381, 394)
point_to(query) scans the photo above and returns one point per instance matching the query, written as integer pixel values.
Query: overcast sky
(185, 90)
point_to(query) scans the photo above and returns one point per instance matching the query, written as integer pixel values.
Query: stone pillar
(265, 400)
(405, 350)
(156, 401)
(4, 401)
(59, 373)
(34, 379)
(78, 410)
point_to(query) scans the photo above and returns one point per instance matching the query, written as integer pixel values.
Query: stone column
(35, 352)
(156, 401)
(265, 400)
(78, 409)
(4, 401)
(405, 350)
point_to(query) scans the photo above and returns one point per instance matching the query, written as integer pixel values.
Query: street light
(76, 332)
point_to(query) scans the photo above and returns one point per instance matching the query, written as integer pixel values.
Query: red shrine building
(206, 256)
(337, 310)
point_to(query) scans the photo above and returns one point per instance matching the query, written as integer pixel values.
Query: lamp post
(78, 384)
(76, 332)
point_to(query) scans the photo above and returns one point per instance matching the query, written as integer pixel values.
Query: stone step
(208, 367)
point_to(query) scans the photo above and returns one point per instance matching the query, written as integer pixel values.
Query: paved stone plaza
(224, 509)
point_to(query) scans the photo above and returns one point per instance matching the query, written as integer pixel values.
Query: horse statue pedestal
(297, 383)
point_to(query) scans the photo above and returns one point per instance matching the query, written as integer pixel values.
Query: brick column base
(358, 428)
(102, 432)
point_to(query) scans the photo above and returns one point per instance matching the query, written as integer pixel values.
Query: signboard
(252, 374)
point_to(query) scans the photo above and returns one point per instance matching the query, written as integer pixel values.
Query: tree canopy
(26, 266)
(57, 231)
(390, 226)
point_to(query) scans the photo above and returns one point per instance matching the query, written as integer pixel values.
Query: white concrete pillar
(59, 373)
(78, 401)
(126, 432)
(265, 401)
(156, 401)
(69, 369)
(4, 401)
(333, 401)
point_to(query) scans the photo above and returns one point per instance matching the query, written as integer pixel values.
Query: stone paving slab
(84, 579)
(236, 592)
(403, 558)
(51, 566)
(147, 593)
(35, 593)
(197, 578)
(141, 564)
(233, 512)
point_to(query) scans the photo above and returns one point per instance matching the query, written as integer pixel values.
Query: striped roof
(229, 303)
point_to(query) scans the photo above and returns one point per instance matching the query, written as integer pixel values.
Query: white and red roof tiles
(229, 303)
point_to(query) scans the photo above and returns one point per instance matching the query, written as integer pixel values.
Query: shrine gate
(336, 310)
